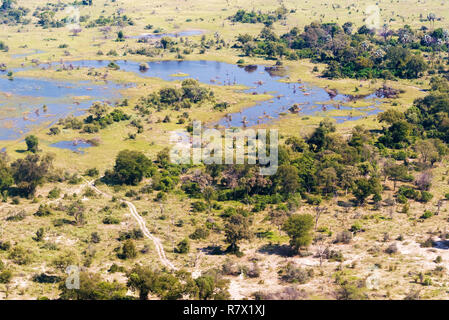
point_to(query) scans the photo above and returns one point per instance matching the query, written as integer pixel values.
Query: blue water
(75, 146)
(60, 94)
(22, 55)
(187, 33)
(257, 79)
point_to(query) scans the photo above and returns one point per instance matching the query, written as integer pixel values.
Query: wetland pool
(60, 97)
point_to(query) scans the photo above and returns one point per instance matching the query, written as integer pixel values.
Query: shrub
(5, 276)
(43, 211)
(17, 216)
(199, 206)
(92, 172)
(199, 233)
(116, 268)
(20, 255)
(356, 227)
(54, 193)
(95, 237)
(133, 234)
(426, 215)
(129, 250)
(183, 246)
(295, 274)
(426, 196)
(5, 245)
(393, 248)
(111, 220)
(344, 237)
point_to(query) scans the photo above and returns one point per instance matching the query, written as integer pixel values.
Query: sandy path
(142, 225)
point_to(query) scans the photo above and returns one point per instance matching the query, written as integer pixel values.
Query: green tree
(129, 250)
(76, 209)
(366, 187)
(236, 229)
(120, 36)
(32, 143)
(319, 138)
(98, 109)
(299, 228)
(6, 178)
(30, 172)
(397, 173)
(92, 287)
(211, 286)
(165, 285)
(166, 42)
(287, 179)
(131, 167)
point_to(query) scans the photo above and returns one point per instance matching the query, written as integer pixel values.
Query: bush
(54, 193)
(17, 216)
(295, 274)
(333, 255)
(401, 198)
(426, 196)
(183, 247)
(344, 237)
(129, 250)
(5, 245)
(116, 268)
(20, 255)
(356, 227)
(254, 271)
(93, 172)
(393, 248)
(43, 211)
(45, 278)
(95, 237)
(199, 206)
(426, 215)
(111, 220)
(5, 276)
(133, 234)
(199, 233)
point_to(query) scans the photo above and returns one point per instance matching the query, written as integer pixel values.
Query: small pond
(180, 34)
(77, 146)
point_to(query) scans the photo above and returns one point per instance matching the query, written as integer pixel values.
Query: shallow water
(60, 96)
(75, 146)
(186, 33)
(258, 79)
(27, 54)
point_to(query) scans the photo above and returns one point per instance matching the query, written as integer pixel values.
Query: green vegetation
(347, 54)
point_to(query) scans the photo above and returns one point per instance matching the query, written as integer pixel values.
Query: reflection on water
(77, 146)
(259, 79)
(61, 98)
(186, 33)
(299, 98)
(22, 55)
